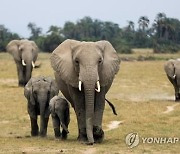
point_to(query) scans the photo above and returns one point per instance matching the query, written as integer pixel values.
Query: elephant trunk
(89, 107)
(42, 100)
(27, 62)
(89, 82)
(28, 71)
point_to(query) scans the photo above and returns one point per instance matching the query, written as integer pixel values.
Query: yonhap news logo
(133, 139)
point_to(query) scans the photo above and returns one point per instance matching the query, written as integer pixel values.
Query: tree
(35, 31)
(69, 30)
(130, 26)
(5, 37)
(143, 23)
(53, 38)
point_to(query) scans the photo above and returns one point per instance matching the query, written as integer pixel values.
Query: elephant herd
(84, 72)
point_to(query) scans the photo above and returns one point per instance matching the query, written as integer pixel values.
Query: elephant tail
(64, 120)
(112, 106)
(64, 127)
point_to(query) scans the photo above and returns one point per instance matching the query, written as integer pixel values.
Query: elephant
(84, 72)
(59, 109)
(25, 53)
(38, 92)
(172, 69)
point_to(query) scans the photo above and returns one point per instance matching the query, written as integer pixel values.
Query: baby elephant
(39, 92)
(59, 109)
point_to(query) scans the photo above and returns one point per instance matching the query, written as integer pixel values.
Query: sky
(16, 14)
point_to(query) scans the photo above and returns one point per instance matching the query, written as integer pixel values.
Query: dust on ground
(170, 108)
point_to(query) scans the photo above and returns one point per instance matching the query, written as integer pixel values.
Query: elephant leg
(177, 95)
(64, 134)
(43, 126)
(34, 127)
(56, 126)
(20, 74)
(176, 89)
(98, 133)
(79, 107)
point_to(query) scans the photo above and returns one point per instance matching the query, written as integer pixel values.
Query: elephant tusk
(80, 83)
(98, 87)
(174, 76)
(23, 63)
(33, 65)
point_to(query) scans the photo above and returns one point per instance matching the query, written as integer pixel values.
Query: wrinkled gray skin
(23, 50)
(88, 62)
(59, 109)
(38, 92)
(172, 69)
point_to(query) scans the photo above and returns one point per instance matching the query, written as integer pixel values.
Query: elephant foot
(64, 135)
(98, 134)
(177, 98)
(43, 133)
(34, 133)
(34, 127)
(57, 133)
(82, 137)
(21, 84)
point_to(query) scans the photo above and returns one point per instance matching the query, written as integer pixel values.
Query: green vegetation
(140, 92)
(163, 35)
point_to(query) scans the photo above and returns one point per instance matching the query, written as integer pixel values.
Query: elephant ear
(13, 49)
(34, 45)
(110, 64)
(53, 89)
(28, 92)
(35, 50)
(169, 68)
(61, 62)
(52, 106)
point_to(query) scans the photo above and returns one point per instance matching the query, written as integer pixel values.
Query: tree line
(163, 35)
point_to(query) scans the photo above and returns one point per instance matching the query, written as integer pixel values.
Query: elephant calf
(172, 69)
(39, 92)
(59, 109)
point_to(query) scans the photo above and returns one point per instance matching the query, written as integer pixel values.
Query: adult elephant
(84, 72)
(25, 53)
(172, 69)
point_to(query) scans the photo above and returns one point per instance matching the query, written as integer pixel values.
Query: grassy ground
(140, 92)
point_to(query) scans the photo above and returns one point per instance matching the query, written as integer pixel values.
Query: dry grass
(140, 93)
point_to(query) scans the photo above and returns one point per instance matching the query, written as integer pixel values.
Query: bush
(123, 49)
(165, 48)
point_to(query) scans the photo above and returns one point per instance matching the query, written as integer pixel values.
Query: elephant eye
(48, 92)
(76, 61)
(100, 61)
(35, 92)
(21, 49)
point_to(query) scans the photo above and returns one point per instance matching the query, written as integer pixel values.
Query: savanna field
(140, 92)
